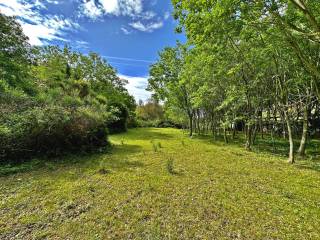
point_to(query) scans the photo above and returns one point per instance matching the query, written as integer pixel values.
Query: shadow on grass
(277, 146)
(146, 134)
(79, 161)
(312, 164)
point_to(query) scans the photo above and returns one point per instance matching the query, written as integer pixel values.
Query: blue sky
(128, 33)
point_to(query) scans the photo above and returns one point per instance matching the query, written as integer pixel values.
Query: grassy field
(159, 184)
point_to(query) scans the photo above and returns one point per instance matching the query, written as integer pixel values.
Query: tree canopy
(247, 65)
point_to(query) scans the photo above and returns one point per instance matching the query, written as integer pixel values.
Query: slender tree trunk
(268, 120)
(248, 137)
(303, 142)
(225, 135)
(291, 151)
(234, 131)
(198, 122)
(190, 125)
(261, 125)
(214, 132)
(272, 139)
(254, 134)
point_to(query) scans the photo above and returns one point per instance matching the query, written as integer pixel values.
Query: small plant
(103, 171)
(155, 147)
(170, 166)
(159, 145)
(183, 143)
(122, 142)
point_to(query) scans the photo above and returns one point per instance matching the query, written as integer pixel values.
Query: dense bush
(158, 124)
(55, 100)
(119, 122)
(50, 130)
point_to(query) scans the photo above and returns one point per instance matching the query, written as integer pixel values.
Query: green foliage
(119, 122)
(151, 114)
(154, 147)
(61, 101)
(150, 111)
(247, 65)
(170, 166)
(15, 55)
(51, 130)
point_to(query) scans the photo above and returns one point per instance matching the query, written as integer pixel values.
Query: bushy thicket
(151, 114)
(56, 100)
(50, 130)
(158, 124)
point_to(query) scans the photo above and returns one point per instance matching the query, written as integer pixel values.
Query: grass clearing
(216, 192)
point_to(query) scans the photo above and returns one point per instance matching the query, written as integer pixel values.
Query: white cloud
(53, 2)
(90, 10)
(37, 27)
(110, 6)
(81, 44)
(136, 87)
(37, 33)
(97, 8)
(125, 31)
(166, 15)
(148, 15)
(149, 27)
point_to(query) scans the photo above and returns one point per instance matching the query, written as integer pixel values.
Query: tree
(15, 55)
(167, 84)
(250, 60)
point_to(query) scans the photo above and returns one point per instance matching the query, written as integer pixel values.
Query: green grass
(186, 189)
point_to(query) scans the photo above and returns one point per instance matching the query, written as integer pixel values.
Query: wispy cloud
(79, 44)
(149, 27)
(126, 31)
(129, 59)
(166, 15)
(137, 86)
(141, 20)
(148, 15)
(37, 27)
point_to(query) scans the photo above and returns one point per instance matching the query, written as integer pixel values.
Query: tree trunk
(191, 125)
(225, 135)
(303, 142)
(254, 135)
(198, 123)
(248, 138)
(261, 126)
(272, 139)
(234, 131)
(291, 151)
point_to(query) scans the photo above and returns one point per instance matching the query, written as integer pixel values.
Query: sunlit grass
(186, 189)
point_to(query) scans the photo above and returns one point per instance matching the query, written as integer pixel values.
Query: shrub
(50, 130)
(155, 147)
(118, 124)
(158, 124)
(170, 166)
(169, 124)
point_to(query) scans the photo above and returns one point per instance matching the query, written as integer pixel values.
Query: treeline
(55, 100)
(250, 66)
(153, 114)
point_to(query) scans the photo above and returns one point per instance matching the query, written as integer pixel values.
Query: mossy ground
(159, 184)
